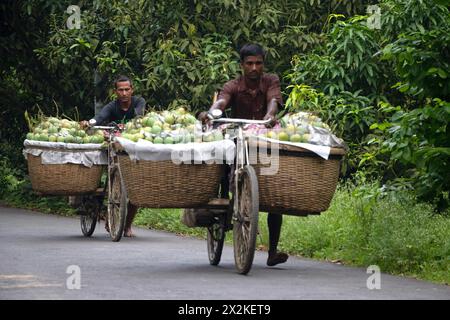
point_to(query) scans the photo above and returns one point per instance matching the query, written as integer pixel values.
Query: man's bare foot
(128, 233)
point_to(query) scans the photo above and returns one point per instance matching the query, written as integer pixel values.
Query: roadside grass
(168, 220)
(396, 233)
(23, 197)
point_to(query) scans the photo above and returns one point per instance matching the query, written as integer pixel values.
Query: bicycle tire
(117, 205)
(245, 221)
(88, 221)
(215, 241)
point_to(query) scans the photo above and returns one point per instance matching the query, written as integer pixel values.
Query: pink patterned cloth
(258, 129)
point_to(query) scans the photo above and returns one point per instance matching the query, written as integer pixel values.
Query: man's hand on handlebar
(272, 121)
(203, 117)
(87, 124)
(84, 124)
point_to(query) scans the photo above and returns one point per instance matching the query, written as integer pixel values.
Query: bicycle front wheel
(245, 220)
(117, 205)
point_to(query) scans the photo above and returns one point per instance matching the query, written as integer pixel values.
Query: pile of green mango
(53, 129)
(169, 127)
(295, 127)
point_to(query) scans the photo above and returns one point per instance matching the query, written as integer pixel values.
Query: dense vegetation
(384, 88)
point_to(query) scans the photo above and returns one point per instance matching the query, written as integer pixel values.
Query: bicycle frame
(241, 161)
(110, 152)
(242, 157)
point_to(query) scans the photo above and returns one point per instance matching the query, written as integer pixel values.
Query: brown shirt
(251, 104)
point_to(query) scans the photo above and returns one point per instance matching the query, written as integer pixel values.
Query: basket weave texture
(63, 179)
(164, 184)
(304, 184)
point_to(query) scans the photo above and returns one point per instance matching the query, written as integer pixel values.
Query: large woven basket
(63, 179)
(304, 183)
(163, 184)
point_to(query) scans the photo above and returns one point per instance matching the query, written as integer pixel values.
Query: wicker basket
(163, 184)
(63, 179)
(304, 183)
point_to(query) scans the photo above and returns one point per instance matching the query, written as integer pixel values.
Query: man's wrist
(202, 115)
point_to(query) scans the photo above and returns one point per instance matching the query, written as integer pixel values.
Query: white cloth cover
(88, 154)
(195, 152)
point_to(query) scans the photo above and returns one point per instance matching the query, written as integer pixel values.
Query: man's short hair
(252, 49)
(122, 78)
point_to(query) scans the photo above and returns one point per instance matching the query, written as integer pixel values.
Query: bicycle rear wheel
(215, 240)
(89, 216)
(245, 220)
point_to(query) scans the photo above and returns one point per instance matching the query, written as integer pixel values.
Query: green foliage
(129, 37)
(17, 192)
(350, 78)
(344, 62)
(8, 177)
(419, 140)
(400, 16)
(422, 61)
(173, 50)
(191, 68)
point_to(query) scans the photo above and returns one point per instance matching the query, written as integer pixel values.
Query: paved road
(37, 250)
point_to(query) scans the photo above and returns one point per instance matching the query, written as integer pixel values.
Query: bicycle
(245, 202)
(117, 205)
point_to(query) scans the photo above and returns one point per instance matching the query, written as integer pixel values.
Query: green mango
(158, 140)
(69, 139)
(168, 140)
(53, 138)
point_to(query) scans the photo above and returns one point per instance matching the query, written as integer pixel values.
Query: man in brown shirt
(254, 95)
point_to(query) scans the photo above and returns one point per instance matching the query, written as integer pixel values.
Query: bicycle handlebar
(109, 126)
(215, 115)
(240, 121)
(103, 127)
